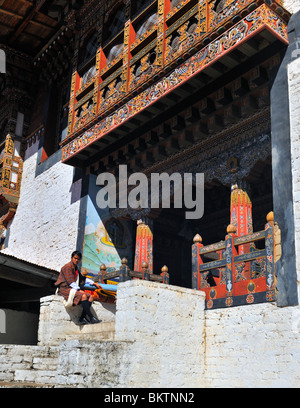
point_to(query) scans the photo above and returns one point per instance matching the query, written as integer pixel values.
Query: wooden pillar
(144, 245)
(203, 16)
(241, 211)
(165, 274)
(197, 281)
(100, 64)
(74, 88)
(129, 38)
(124, 271)
(270, 259)
(163, 8)
(241, 219)
(102, 273)
(145, 270)
(230, 268)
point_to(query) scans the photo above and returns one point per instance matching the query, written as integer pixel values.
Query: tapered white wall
(44, 228)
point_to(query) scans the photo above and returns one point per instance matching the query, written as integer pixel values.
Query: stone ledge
(58, 323)
(99, 331)
(23, 384)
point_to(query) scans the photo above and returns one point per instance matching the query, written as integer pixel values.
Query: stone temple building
(203, 94)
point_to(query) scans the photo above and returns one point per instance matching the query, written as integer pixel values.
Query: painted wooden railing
(125, 273)
(237, 277)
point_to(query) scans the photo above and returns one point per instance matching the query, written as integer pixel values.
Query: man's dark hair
(78, 253)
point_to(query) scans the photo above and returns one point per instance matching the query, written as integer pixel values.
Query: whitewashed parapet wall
(165, 338)
(167, 325)
(252, 346)
(159, 342)
(44, 229)
(58, 323)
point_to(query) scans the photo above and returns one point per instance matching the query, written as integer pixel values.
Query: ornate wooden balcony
(237, 277)
(132, 72)
(11, 167)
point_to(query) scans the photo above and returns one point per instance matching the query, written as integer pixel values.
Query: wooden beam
(7, 27)
(27, 1)
(192, 114)
(11, 13)
(26, 20)
(24, 295)
(152, 139)
(42, 25)
(160, 153)
(26, 278)
(177, 122)
(186, 139)
(172, 146)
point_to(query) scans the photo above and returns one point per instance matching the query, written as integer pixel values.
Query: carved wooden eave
(248, 142)
(54, 59)
(150, 116)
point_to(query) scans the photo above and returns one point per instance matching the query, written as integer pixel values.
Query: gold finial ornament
(124, 261)
(102, 267)
(231, 229)
(270, 216)
(164, 269)
(197, 238)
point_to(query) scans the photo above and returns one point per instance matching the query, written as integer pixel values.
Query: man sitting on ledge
(69, 282)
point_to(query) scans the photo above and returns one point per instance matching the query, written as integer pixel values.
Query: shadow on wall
(74, 312)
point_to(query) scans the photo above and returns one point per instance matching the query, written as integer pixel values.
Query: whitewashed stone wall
(291, 5)
(294, 108)
(167, 326)
(44, 229)
(252, 346)
(164, 338)
(28, 364)
(159, 342)
(58, 323)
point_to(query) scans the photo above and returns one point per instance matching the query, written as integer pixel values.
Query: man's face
(75, 259)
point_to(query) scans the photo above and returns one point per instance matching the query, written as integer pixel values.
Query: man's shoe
(94, 320)
(83, 320)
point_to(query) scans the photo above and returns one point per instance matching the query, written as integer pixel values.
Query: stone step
(24, 384)
(99, 331)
